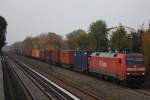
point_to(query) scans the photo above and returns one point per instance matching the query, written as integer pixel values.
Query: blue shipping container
(81, 60)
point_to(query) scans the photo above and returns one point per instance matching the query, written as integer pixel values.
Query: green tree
(83, 41)
(36, 43)
(17, 47)
(146, 48)
(136, 41)
(27, 43)
(72, 41)
(119, 41)
(72, 38)
(98, 36)
(3, 26)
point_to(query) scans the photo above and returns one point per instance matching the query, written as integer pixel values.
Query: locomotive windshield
(134, 59)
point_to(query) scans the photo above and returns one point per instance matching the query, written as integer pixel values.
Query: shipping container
(47, 55)
(26, 52)
(55, 57)
(35, 53)
(42, 55)
(67, 57)
(81, 60)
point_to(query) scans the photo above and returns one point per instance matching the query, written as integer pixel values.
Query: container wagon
(47, 56)
(55, 57)
(42, 55)
(82, 60)
(67, 58)
(35, 53)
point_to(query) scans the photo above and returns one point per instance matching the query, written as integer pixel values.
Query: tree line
(98, 38)
(3, 26)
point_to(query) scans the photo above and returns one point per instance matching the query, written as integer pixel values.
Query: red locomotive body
(118, 66)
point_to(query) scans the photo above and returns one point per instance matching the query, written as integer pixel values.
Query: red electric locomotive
(120, 66)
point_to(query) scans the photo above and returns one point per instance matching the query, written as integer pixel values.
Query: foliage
(3, 26)
(136, 41)
(35, 43)
(27, 43)
(55, 40)
(72, 41)
(77, 39)
(146, 47)
(83, 41)
(98, 36)
(45, 41)
(17, 47)
(119, 40)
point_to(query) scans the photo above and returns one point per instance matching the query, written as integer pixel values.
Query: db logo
(102, 64)
(134, 66)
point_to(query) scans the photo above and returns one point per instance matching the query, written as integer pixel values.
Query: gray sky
(32, 17)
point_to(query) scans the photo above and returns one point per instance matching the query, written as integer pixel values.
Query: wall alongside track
(1, 83)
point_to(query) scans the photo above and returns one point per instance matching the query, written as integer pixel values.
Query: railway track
(51, 90)
(90, 96)
(22, 75)
(142, 91)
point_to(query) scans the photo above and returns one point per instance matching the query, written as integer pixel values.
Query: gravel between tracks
(107, 90)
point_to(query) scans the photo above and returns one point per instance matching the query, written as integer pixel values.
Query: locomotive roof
(104, 54)
(134, 55)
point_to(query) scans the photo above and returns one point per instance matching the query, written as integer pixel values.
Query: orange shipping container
(35, 53)
(67, 57)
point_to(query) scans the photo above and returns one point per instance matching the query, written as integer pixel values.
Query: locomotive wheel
(105, 77)
(117, 81)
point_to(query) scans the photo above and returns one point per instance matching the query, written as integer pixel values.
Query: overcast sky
(32, 17)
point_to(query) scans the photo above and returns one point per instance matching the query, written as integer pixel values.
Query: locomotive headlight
(128, 73)
(143, 73)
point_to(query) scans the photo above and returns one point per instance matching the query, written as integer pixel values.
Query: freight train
(124, 67)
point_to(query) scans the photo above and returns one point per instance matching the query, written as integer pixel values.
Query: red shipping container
(67, 57)
(55, 57)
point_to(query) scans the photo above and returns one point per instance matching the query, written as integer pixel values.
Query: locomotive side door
(117, 63)
(119, 67)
